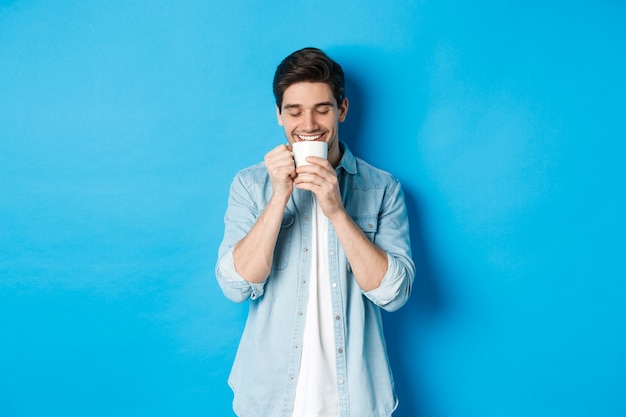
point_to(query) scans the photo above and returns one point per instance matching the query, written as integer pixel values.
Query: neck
(334, 154)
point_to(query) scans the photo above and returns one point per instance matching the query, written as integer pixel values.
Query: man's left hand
(321, 179)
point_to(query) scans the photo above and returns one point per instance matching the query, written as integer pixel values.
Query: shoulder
(252, 183)
(253, 170)
(254, 174)
(367, 175)
(362, 174)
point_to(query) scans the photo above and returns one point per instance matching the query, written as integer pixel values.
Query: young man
(318, 251)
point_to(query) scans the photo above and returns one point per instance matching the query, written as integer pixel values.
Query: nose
(309, 123)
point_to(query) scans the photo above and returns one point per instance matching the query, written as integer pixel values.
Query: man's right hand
(282, 171)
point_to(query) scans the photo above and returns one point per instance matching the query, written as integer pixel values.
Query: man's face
(310, 112)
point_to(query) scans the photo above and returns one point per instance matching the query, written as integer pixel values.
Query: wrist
(339, 215)
(279, 200)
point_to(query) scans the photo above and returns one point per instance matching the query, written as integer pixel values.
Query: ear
(343, 110)
(279, 116)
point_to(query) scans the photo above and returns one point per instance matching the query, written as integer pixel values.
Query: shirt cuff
(393, 290)
(234, 286)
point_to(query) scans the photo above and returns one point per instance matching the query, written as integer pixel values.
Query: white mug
(308, 148)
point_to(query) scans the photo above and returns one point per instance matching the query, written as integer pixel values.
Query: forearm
(368, 262)
(254, 253)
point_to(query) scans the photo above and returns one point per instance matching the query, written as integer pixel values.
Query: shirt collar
(347, 162)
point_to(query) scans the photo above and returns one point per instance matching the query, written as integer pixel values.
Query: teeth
(309, 137)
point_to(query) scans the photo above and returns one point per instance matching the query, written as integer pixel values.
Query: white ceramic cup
(308, 148)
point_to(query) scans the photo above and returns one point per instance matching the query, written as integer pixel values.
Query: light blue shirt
(265, 373)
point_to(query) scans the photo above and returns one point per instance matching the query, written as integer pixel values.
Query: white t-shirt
(316, 392)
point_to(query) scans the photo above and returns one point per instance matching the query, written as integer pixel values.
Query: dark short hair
(308, 65)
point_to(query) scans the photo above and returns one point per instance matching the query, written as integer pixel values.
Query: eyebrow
(299, 106)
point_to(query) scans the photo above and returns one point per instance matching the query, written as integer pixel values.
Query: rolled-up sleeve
(393, 237)
(233, 285)
(395, 288)
(241, 214)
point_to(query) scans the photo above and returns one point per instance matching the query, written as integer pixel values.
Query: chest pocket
(283, 243)
(368, 224)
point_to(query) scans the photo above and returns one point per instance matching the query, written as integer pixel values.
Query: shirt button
(306, 249)
(306, 218)
(332, 253)
(371, 226)
(340, 350)
(299, 313)
(334, 285)
(337, 318)
(340, 381)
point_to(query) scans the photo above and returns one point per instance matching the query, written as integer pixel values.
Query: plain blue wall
(121, 128)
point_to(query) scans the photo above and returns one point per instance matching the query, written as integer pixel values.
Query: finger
(311, 169)
(316, 160)
(305, 177)
(317, 171)
(314, 182)
(279, 160)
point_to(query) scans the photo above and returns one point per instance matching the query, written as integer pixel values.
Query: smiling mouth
(309, 137)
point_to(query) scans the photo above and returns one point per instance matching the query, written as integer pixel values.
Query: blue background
(122, 125)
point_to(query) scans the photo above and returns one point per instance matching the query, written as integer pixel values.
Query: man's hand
(282, 171)
(321, 179)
